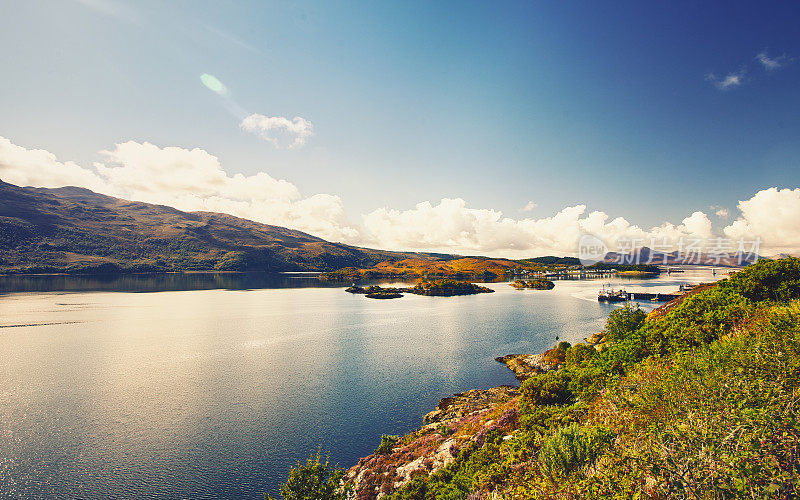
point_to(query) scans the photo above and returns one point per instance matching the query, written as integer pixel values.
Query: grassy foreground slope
(698, 401)
(76, 230)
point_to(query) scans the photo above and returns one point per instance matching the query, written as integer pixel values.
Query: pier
(624, 296)
(658, 297)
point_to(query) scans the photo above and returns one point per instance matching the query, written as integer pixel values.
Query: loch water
(213, 386)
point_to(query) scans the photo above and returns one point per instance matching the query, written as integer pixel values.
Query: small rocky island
(438, 288)
(537, 284)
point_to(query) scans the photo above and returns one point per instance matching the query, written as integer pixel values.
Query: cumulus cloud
(529, 206)
(697, 224)
(148, 173)
(187, 179)
(193, 179)
(772, 215)
(771, 63)
(279, 130)
(729, 81)
(40, 168)
(452, 225)
(721, 212)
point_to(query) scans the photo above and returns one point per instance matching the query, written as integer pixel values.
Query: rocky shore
(465, 403)
(459, 421)
(526, 365)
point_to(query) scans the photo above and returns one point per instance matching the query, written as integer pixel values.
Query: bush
(622, 322)
(579, 354)
(699, 320)
(721, 421)
(777, 280)
(550, 388)
(387, 444)
(232, 261)
(573, 447)
(314, 479)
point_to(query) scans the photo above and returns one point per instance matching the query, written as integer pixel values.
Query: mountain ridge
(75, 230)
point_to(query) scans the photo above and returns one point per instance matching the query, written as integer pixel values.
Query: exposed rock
(525, 366)
(461, 420)
(596, 339)
(462, 404)
(404, 472)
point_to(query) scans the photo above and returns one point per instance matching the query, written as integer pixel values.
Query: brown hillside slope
(76, 230)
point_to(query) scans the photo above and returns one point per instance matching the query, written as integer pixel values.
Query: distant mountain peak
(644, 255)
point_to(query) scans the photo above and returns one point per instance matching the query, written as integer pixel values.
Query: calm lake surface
(215, 393)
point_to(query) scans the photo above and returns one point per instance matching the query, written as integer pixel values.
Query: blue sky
(620, 106)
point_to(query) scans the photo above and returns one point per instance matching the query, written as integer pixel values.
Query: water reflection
(159, 282)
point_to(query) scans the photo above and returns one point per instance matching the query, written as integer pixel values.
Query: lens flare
(213, 84)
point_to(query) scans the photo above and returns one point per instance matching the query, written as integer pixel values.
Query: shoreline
(458, 421)
(149, 273)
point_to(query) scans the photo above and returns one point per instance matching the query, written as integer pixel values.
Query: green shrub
(720, 421)
(444, 429)
(579, 355)
(572, 448)
(314, 479)
(777, 280)
(698, 320)
(550, 388)
(622, 322)
(388, 443)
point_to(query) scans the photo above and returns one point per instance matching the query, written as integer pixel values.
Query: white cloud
(279, 130)
(772, 215)
(189, 180)
(148, 173)
(40, 168)
(529, 206)
(697, 224)
(721, 212)
(730, 80)
(451, 226)
(771, 63)
(193, 179)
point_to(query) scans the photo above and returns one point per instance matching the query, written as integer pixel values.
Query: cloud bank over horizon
(194, 180)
